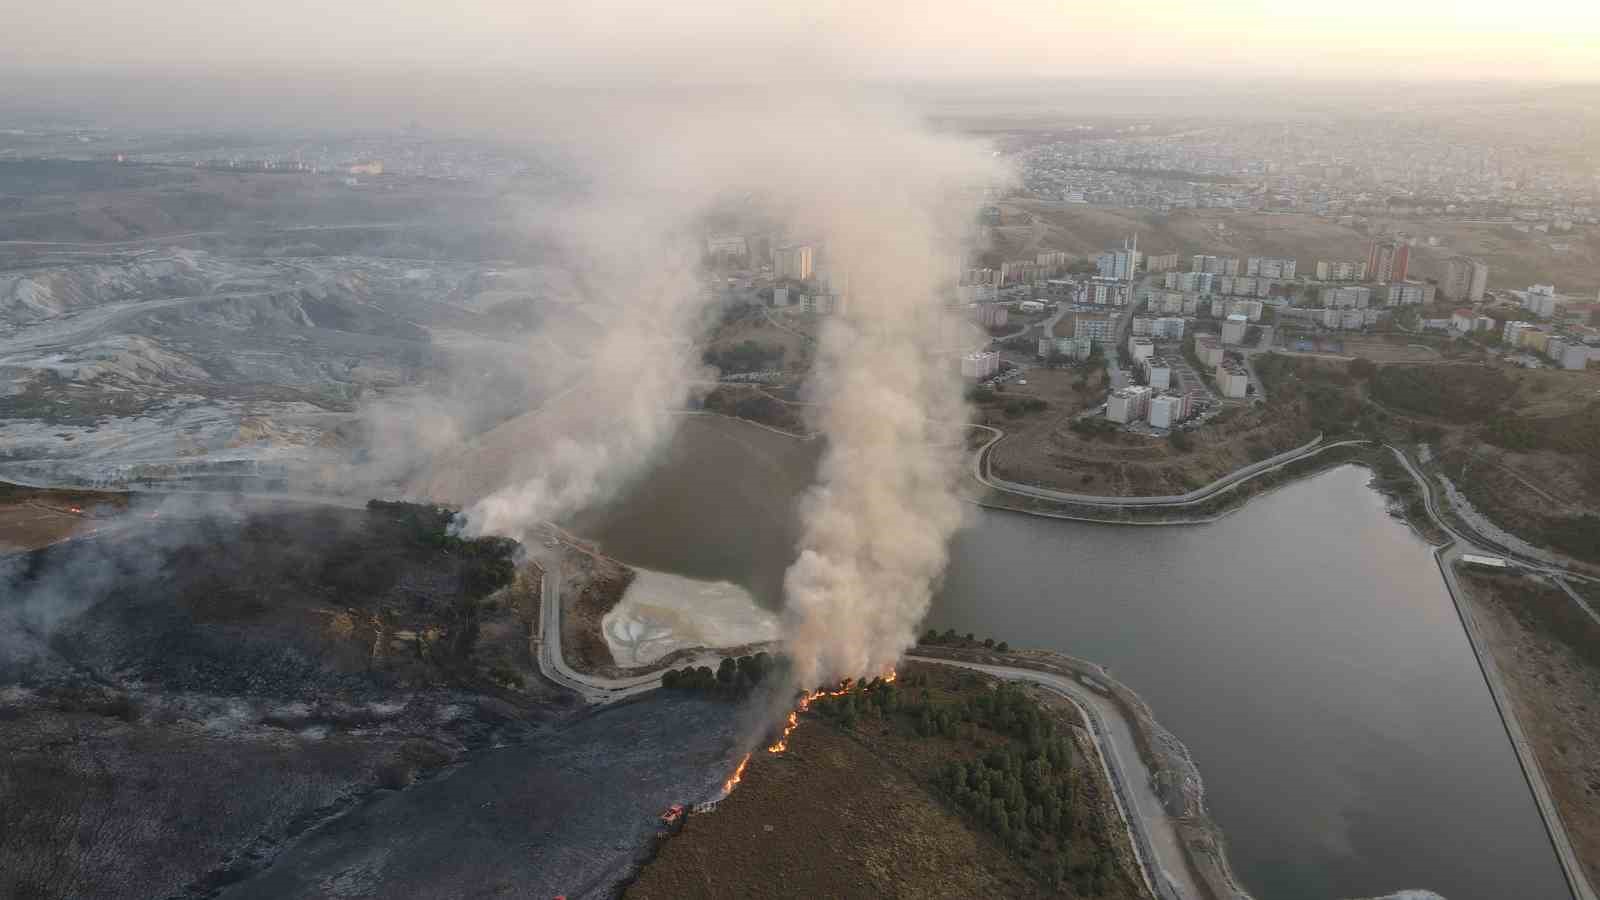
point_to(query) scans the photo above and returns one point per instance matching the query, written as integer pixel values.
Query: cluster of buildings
(1569, 345)
(1140, 403)
(818, 300)
(1168, 328)
(1076, 348)
(1561, 333)
(1361, 165)
(1341, 270)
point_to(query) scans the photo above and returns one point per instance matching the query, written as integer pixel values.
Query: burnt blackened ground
(568, 813)
(179, 698)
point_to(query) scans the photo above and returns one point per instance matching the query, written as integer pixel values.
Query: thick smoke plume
(878, 523)
(610, 379)
(887, 204)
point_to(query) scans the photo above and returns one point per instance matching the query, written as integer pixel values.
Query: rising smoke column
(891, 204)
(633, 251)
(878, 522)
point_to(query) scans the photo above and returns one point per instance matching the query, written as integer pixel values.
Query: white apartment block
(1234, 328)
(1167, 328)
(1341, 271)
(1351, 297)
(1406, 293)
(1277, 267)
(1232, 380)
(980, 365)
(794, 262)
(1129, 404)
(1250, 309)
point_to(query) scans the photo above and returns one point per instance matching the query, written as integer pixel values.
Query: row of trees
(734, 677)
(968, 641)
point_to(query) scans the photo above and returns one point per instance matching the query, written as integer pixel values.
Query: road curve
(1155, 841)
(980, 471)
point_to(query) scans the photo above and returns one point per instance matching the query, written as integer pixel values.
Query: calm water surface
(1305, 650)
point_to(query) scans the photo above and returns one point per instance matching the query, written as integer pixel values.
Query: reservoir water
(1305, 649)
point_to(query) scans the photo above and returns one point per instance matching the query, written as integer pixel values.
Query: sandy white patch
(661, 613)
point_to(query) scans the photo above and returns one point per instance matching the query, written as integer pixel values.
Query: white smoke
(887, 204)
(877, 524)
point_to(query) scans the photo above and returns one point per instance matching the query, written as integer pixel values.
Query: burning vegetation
(1000, 791)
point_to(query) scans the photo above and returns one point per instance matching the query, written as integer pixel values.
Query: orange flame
(737, 776)
(782, 743)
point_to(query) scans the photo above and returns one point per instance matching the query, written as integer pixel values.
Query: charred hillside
(181, 696)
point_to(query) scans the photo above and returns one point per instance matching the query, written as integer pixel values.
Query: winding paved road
(980, 471)
(1155, 841)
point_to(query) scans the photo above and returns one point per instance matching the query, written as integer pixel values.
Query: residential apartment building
(1118, 264)
(1232, 380)
(991, 315)
(1158, 373)
(1129, 404)
(1277, 267)
(1464, 278)
(1234, 328)
(1094, 326)
(1407, 293)
(1541, 301)
(794, 262)
(1348, 297)
(1162, 262)
(1214, 265)
(1333, 270)
(1250, 309)
(1387, 260)
(1166, 328)
(1107, 292)
(980, 365)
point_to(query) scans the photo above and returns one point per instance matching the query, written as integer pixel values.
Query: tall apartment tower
(1387, 260)
(792, 262)
(1465, 278)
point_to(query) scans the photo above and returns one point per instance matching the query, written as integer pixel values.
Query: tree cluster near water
(735, 677)
(1012, 773)
(949, 638)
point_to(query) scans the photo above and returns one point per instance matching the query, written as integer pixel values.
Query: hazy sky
(826, 39)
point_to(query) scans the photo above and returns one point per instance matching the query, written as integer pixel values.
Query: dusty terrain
(225, 329)
(1515, 259)
(859, 810)
(1050, 453)
(591, 585)
(30, 518)
(1549, 651)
